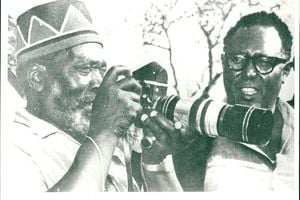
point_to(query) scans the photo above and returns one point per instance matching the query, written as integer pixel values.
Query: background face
(71, 88)
(247, 86)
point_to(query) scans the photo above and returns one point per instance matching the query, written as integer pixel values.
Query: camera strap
(127, 154)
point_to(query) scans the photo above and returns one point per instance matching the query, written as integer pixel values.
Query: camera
(153, 79)
(204, 116)
(212, 118)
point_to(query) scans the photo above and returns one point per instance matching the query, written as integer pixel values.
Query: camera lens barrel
(212, 118)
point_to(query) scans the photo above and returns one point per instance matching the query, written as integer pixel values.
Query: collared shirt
(40, 154)
(234, 166)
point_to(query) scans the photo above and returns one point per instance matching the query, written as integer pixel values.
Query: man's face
(247, 86)
(71, 87)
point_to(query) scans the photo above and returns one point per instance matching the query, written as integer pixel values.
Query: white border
(147, 196)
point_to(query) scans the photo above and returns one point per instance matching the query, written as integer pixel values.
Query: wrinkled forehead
(83, 54)
(257, 39)
(89, 51)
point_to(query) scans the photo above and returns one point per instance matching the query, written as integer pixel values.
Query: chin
(245, 102)
(77, 124)
(256, 105)
(252, 103)
(82, 126)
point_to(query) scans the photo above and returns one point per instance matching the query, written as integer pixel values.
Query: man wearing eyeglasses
(257, 51)
(73, 133)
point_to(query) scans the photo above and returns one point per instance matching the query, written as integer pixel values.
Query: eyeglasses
(263, 64)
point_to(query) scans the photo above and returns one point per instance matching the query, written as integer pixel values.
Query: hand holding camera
(203, 116)
(117, 102)
(162, 137)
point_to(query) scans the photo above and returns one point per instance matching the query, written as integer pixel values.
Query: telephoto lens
(212, 118)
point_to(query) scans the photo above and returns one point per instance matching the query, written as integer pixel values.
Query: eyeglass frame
(253, 59)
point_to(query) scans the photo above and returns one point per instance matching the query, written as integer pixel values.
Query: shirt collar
(287, 129)
(41, 128)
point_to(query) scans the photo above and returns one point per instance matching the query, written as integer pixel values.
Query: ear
(35, 76)
(286, 70)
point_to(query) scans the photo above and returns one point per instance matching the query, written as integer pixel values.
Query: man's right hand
(117, 102)
(114, 109)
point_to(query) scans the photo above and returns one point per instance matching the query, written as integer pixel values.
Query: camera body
(204, 116)
(154, 73)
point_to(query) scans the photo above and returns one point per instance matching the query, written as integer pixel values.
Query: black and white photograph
(194, 97)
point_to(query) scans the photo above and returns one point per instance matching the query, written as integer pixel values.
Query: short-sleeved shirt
(39, 154)
(234, 166)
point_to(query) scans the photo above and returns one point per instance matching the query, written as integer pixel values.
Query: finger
(173, 130)
(114, 72)
(149, 126)
(149, 138)
(149, 141)
(129, 84)
(130, 101)
(148, 133)
(135, 97)
(163, 122)
(146, 121)
(185, 134)
(134, 109)
(129, 95)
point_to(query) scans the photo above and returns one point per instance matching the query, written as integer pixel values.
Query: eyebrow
(98, 64)
(264, 55)
(255, 54)
(91, 63)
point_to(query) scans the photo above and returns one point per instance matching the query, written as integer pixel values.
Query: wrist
(152, 157)
(166, 165)
(103, 136)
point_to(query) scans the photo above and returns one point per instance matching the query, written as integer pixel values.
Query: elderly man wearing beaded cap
(70, 137)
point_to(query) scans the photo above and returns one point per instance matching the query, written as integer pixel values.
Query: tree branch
(211, 30)
(275, 7)
(213, 45)
(156, 45)
(171, 62)
(250, 3)
(211, 83)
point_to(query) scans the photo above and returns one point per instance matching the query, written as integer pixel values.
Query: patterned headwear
(52, 27)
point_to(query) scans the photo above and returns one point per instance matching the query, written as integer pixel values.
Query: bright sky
(123, 43)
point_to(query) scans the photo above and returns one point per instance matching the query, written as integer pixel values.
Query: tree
(213, 17)
(159, 17)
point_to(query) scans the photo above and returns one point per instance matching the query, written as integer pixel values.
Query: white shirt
(39, 155)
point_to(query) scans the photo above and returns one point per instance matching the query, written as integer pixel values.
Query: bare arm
(164, 180)
(158, 171)
(114, 110)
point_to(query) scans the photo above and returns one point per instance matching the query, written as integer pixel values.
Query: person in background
(72, 134)
(257, 53)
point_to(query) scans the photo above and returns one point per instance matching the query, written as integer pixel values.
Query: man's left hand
(168, 138)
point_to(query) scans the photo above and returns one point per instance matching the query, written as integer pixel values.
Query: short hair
(264, 19)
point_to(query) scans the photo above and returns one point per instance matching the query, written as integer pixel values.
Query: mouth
(249, 91)
(87, 103)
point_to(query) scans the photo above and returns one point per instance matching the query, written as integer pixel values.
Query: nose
(96, 78)
(249, 70)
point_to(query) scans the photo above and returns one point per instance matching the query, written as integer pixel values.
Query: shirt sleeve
(284, 173)
(22, 174)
